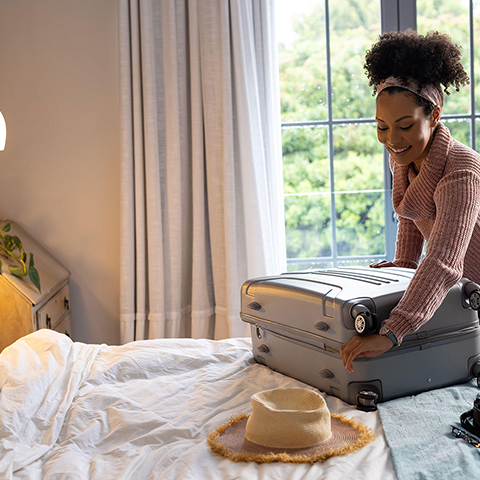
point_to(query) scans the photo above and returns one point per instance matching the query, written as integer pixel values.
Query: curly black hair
(429, 59)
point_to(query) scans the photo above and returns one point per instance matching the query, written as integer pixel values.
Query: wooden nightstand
(23, 309)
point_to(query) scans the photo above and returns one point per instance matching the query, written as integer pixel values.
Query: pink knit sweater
(441, 205)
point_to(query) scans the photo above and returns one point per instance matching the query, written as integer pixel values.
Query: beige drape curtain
(202, 205)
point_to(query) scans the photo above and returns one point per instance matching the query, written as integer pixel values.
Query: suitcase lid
(323, 302)
(319, 301)
(344, 283)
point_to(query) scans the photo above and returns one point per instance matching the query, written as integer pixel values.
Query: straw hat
(288, 425)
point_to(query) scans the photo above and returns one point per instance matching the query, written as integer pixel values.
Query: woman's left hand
(368, 346)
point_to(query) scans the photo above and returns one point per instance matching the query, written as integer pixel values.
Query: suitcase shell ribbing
(299, 321)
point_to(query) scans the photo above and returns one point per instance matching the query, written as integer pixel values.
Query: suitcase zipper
(304, 342)
(321, 343)
(299, 335)
(439, 337)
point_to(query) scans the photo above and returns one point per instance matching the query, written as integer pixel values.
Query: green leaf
(17, 242)
(18, 271)
(31, 264)
(34, 277)
(6, 227)
(0, 265)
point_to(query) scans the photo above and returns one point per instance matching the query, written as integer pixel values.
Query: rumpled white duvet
(144, 410)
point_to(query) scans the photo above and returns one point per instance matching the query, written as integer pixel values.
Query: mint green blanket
(418, 432)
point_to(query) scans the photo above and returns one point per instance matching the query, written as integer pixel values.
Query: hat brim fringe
(366, 436)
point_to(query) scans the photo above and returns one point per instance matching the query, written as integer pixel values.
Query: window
(461, 20)
(337, 183)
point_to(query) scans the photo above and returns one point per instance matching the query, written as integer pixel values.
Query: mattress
(143, 410)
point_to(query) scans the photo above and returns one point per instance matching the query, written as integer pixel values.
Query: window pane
(451, 17)
(307, 186)
(310, 264)
(305, 160)
(360, 223)
(308, 226)
(354, 28)
(460, 130)
(360, 216)
(364, 262)
(302, 59)
(358, 158)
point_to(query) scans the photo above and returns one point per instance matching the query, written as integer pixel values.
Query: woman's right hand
(381, 264)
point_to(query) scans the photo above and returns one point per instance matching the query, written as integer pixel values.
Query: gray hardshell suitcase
(299, 321)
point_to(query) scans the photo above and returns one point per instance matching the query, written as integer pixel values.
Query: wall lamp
(3, 132)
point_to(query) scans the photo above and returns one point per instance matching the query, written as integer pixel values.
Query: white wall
(60, 171)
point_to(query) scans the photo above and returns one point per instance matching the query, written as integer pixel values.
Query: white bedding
(144, 410)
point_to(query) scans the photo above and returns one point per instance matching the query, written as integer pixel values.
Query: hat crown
(288, 418)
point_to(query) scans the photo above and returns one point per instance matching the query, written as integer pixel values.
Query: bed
(144, 410)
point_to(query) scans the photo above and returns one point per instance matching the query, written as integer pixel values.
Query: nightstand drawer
(54, 310)
(65, 326)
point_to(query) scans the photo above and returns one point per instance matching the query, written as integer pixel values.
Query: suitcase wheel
(361, 323)
(474, 300)
(367, 400)
(366, 322)
(475, 372)
(472, 292)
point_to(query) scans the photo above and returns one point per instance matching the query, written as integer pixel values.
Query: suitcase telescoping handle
(366, 322)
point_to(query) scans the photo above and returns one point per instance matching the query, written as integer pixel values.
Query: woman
(436, 180)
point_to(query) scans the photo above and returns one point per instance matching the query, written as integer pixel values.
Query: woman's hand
(381, 264)
(368, 346)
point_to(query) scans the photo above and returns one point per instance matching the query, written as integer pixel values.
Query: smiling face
(403, 128)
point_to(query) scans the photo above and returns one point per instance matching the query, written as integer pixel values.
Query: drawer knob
(322, 326)
(66, 303)
(325, 373)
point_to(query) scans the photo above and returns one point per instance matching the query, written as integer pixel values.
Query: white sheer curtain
(202, 205)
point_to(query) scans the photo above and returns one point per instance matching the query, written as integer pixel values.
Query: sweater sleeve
(457, 200)
(408, 250)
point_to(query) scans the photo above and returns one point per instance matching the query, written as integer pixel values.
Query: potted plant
(21, 263)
